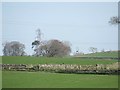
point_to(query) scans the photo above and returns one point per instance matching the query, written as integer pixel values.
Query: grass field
(12, 79)
(103, 54)
(17, 79)
(45, 60)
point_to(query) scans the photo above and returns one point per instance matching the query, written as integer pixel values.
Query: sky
(83, 24)
(0, 28)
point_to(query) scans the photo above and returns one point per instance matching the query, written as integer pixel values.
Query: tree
(114, 20)
(102, 50)
(55, 48)
(13, 48)
(93, 49)
(50, 48)
(36, 45)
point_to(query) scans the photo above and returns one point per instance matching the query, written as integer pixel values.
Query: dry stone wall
(64, 68)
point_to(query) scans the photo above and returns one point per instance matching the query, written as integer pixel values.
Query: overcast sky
(84, 25)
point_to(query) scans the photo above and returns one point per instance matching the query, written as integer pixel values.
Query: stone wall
(64, 68)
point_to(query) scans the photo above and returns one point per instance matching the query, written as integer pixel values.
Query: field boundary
(83, 57)
(64, 68)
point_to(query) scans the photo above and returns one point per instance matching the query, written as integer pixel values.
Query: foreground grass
(45, 60)
(12, 79)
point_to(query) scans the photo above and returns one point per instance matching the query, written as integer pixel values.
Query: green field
(45, 60)
(17, 79)
(103, 54)
(12, 79)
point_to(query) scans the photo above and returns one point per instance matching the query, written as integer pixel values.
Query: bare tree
(114, 20)
(36, 45)
(55, 48)
(13, 48)
(93, 49)
(102, 50)
(50, 48)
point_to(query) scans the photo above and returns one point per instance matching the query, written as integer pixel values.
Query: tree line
(50, 48)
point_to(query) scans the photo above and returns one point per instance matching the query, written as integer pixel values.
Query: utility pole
(39, 35)
(39, 38)
(38, 42)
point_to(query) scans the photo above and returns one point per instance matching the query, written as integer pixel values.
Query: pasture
(113, 54)
(12, 79)
(53, 60)
(22, 79)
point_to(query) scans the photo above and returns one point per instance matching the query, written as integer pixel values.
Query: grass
(45, 60)
(12, 79)
(103, 54)
(17, 79)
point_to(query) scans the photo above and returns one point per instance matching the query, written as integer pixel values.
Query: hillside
(113, 54)
(45, 60)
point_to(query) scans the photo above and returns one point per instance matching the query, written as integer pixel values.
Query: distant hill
(113, 54)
